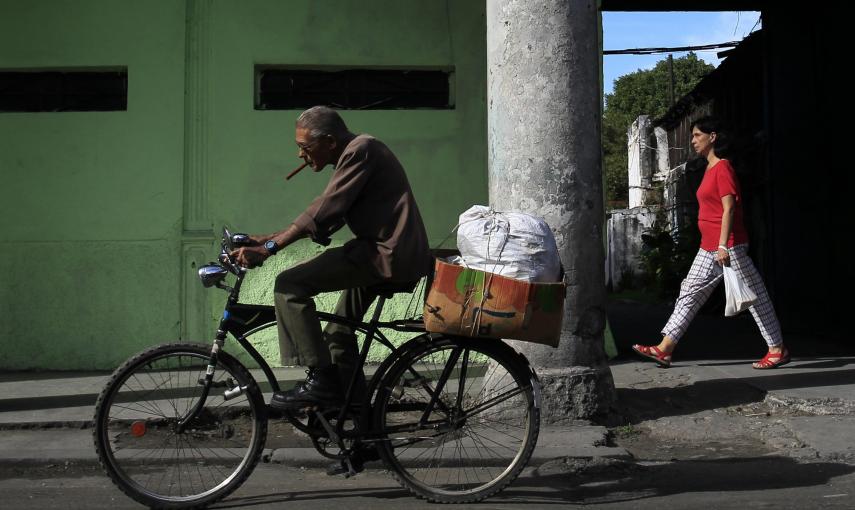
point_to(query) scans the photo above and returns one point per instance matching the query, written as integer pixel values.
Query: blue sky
(623, 30)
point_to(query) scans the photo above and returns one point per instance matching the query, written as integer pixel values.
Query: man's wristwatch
(271, 247)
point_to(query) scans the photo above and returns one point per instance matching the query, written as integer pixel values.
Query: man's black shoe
(368, 453)
(321, 388)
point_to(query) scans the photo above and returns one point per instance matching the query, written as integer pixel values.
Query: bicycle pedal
(346, 467)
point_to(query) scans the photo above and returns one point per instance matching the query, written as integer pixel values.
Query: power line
(653, 51)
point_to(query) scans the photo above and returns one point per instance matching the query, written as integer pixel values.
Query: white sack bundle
(511, 244)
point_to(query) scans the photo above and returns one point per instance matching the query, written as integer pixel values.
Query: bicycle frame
(243, 320)
(407, 401)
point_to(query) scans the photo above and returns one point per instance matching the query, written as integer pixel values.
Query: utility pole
(671, 78)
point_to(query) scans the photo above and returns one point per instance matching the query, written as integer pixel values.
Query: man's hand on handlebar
(249, 256)
(259, 239)
(250, 252)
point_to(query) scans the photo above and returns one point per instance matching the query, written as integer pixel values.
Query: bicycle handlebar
(229, 243)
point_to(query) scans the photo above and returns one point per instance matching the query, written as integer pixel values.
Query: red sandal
(773, 360)
(654, 353)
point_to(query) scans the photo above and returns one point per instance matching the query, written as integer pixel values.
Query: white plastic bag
(738, 295)
(515, 245)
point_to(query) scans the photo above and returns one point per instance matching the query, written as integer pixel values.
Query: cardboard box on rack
(474, 303)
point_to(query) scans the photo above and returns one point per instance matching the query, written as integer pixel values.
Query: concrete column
(663, 159)
(641, 154)
(544, 96)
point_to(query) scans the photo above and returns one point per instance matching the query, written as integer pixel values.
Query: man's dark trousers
(301, 341)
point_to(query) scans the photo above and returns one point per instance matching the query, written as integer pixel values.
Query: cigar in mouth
(292, 174)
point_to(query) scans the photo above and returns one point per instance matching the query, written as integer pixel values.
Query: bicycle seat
(387, 289)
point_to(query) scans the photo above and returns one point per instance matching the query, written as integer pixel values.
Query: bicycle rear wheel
(458, 418)
(141, 446)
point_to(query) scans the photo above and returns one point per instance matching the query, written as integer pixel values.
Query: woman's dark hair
(709, 124)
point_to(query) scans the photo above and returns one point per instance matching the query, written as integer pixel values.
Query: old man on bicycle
(369, 192)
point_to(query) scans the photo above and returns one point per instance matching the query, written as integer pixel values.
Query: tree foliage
(665, 257)
(643, 92)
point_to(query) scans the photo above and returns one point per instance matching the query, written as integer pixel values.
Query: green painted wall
(106, 215)
(91, 208)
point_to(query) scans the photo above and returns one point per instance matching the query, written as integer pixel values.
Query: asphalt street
(770, 482)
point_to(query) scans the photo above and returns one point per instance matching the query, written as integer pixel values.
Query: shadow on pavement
(639, 404)
(625, 481)
(820, 363)
(41, 375)
(710, 336)
(53, 402)
(787, 378)
(310, 495)
(585, 481)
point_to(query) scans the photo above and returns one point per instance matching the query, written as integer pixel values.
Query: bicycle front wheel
(161, 464)
(458, 418)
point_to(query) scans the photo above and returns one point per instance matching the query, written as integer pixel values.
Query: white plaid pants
(704, 276)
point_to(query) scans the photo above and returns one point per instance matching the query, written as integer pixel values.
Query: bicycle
(182, 425)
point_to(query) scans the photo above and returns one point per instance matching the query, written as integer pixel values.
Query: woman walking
(724, 241)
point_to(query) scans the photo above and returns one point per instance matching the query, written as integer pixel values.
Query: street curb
(309, 457)
(291, 457)
(41, 446)
(47, 425)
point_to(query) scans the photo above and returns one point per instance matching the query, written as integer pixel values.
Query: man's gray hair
(322, 121)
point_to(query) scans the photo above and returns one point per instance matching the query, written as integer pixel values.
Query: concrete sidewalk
(804, 410)
(47, 415)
